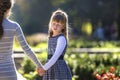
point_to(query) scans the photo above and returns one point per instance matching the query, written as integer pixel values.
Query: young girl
(56, 67)
(8, 30)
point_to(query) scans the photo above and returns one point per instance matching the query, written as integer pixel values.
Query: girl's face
(56, 27)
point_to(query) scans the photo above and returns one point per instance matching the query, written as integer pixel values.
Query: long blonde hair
(62, 17)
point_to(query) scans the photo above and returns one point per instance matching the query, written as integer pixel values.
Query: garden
(83, 65)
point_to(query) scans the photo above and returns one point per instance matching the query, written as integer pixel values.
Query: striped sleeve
(22, 41)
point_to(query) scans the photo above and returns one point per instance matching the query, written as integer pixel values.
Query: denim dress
(60, 70)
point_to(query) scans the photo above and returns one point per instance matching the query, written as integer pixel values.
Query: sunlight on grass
(16, 45)
(40, 46)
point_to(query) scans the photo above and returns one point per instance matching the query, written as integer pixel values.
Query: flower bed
(110, 75)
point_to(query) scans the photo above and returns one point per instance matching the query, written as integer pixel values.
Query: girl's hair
(60, 17)
(5, 5)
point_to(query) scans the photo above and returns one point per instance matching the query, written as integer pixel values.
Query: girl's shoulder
(62, 37)
(57, 37)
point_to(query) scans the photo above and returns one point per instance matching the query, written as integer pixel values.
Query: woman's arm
(21, 39)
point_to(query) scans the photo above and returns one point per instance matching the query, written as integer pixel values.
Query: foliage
(39, 12)
(87, 28)
(81, 64)
(86, 64)
(28, 67)
(83, 42)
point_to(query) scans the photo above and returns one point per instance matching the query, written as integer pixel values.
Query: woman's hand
(40, 71)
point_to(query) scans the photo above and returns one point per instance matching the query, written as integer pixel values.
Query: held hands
(40, 71)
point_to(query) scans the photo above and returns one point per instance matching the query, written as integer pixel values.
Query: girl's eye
(54, 24)
(58, 25)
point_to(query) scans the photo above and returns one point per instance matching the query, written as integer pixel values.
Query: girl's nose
(55, 26)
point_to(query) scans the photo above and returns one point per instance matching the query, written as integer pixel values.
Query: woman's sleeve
(61, 43)
(22, 41)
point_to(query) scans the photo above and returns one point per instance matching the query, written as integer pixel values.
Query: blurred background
(93, 24)
(85, 16)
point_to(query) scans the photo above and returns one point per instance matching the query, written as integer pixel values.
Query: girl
(56, 67)
(8, 30)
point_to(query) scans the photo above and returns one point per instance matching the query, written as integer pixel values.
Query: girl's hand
(40, 71)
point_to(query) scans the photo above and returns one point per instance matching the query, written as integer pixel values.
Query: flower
(107, 76)
(112, 69)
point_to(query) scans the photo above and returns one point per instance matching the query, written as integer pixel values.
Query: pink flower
(98, 76)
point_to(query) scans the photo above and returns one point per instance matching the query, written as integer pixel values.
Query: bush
(82, 65)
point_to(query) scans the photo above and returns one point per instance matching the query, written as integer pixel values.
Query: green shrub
(82, 65)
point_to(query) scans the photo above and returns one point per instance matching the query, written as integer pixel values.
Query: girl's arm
(61, 43)
(21, 39)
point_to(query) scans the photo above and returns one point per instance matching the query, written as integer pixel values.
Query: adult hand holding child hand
(40, 71)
